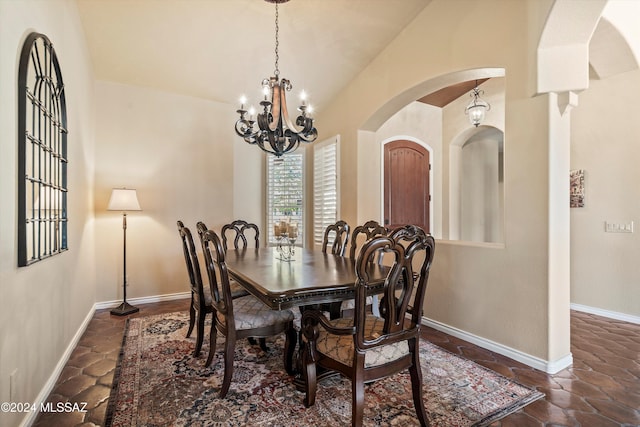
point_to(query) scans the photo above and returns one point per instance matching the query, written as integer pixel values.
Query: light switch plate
(618, 227)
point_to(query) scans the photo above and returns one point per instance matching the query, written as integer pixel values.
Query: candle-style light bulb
(243, 99)
(265, 92)
(252, 111)
(303, 97)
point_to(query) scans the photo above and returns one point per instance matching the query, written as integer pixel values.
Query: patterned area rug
(159, 383)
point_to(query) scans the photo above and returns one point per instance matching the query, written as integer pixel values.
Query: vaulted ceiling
(222, 49)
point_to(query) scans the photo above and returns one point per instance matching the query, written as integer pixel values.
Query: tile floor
(601, 389)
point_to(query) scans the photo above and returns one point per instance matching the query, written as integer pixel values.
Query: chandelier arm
(309, 136)
(292, 147)
(244, 128)
(293, 143)
(274, 143)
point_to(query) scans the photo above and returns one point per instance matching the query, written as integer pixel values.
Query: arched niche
(477, 186)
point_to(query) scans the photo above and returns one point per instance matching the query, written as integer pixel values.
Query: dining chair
(366, 348)
(240, 231)
(200, 295)
(360, 235)
(237, 318)
(236, 289)
(337, 235)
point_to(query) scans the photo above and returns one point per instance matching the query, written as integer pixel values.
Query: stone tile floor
(601, 389)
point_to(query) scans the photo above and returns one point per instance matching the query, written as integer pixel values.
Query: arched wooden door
(406, 184)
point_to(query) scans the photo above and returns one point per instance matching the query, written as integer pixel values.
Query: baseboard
(606, 313)
(550, 367)
(144, 300)
(53, 378)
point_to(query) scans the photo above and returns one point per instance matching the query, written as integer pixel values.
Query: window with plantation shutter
(285, 193)
(325, 186)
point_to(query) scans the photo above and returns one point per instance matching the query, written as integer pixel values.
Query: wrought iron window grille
(42, 153)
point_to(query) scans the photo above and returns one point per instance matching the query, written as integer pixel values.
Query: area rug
(159, 383)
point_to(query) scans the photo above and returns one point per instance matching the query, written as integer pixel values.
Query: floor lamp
(124, 200)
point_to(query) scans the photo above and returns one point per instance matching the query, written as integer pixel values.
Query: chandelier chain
(277, 71)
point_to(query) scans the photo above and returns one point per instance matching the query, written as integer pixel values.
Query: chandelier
(477, 107)
(276, 133)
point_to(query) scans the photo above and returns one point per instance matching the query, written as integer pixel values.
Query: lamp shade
(123, 199)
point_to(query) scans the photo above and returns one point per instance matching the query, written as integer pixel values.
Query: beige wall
(44, 305)
(512, 280)
(605, 143)
(179, 153)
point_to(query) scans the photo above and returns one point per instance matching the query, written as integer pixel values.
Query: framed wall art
(576, 197)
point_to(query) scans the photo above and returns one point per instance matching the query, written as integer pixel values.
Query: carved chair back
(200, 297)
(339, 232)
(362, 233)
(193, 266)
(241, 232)
(214, 253)
(401, 304)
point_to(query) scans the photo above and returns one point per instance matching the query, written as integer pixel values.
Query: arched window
(42, 153)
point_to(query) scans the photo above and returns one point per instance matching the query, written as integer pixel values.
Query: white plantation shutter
(325, 186)
(285, 193)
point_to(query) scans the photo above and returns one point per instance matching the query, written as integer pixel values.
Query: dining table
(310, 279)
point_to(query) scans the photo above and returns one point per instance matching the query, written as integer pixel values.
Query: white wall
(179, 153)
(605, 143)
(43, 305)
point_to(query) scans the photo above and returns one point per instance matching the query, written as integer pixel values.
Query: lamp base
(124, 309)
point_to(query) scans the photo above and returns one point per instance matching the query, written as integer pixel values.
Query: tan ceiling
(222, 49)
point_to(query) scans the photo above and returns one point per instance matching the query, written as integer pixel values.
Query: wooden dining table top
(311, 277)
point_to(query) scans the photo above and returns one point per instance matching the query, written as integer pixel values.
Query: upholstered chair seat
(236, 289)
(340, 347)
(250, 313)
